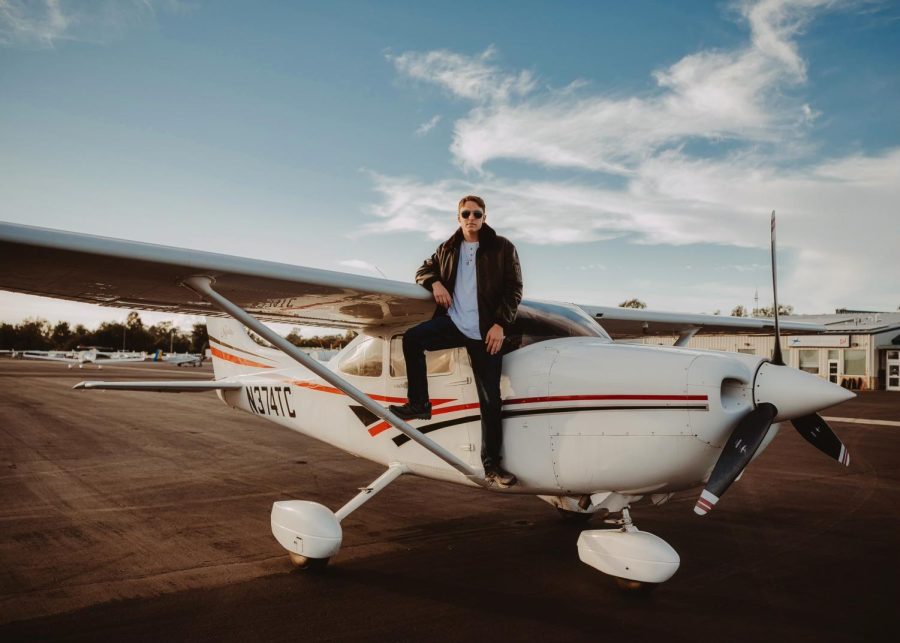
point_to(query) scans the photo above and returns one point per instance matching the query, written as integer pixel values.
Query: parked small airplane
(85, 356)
(179, 359)
(590, 426)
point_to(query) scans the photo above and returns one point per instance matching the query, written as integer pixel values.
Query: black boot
(410, 411)
(495, 474)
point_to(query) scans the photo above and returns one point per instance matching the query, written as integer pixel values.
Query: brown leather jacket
(497, 271)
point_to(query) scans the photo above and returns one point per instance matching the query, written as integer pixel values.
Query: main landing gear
(311, 532)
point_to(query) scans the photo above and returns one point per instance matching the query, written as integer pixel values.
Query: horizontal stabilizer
(161, 387)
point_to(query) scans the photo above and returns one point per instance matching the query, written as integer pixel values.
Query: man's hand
(494, 339)
(441, 296)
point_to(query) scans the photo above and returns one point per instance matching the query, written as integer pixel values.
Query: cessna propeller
(750, 431)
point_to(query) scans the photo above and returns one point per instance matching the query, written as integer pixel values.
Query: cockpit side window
(363, 359)
(539, 322)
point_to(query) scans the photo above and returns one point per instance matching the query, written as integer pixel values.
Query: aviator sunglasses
(475, 213)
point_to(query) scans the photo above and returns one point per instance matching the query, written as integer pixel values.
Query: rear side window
(363, 359)
(436, 362)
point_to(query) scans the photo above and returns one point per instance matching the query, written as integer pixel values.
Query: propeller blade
(817, 432)
(736, 454)
(776, 354)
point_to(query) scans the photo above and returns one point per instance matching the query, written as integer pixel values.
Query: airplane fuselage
(580, 415)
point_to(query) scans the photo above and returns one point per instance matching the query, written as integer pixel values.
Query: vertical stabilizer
(234, 352)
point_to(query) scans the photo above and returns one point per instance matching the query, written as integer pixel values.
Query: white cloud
(836, 216)
(745, 267)
(470, 77)
(31, 23)
(712, 95)
(676, 200)
(44, 23)
(428, 125)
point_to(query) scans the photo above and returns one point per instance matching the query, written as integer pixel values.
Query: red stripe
(228, 357)
(703, 504)
(384, 426)
(577, 398)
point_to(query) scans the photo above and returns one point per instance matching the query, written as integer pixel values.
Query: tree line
(132, 335)
(737, 311)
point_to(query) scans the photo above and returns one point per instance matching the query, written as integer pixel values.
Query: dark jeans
(440, 333)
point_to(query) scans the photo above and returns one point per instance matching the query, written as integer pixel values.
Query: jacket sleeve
(512, 288)
(429, 272)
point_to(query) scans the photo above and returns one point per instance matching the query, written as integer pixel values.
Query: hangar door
(893, 371)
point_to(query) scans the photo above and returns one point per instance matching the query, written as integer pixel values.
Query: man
(477, 285)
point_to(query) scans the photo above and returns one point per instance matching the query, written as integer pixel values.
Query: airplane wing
(49, 358)
(161, 386)
(129, 274)
(631, 323)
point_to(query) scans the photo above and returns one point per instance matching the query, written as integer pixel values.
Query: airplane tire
(634, 587)
(305, 563)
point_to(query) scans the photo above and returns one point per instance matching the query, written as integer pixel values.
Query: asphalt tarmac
(145, 516)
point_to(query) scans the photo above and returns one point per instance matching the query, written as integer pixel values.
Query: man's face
(471, 224)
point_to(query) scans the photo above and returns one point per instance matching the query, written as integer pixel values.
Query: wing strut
(203, 286)
(684, 337)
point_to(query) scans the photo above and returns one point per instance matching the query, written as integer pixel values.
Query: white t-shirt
(464, 309)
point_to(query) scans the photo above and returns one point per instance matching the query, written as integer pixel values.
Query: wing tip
(705, 503)
(844, 457)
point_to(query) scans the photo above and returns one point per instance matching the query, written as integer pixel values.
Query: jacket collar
(486, 237)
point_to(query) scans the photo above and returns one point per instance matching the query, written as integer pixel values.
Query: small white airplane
(590, 426)
(85, 356)
(179, 359)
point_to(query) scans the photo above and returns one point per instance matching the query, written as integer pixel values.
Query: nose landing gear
(637, 560)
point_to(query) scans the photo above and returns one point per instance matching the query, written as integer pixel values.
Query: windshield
(538, 321)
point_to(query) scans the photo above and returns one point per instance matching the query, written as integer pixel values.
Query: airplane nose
(795, 393)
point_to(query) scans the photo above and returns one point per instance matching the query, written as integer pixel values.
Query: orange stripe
(330, 389)
(378, 398)
(384, 426)
(228, 357)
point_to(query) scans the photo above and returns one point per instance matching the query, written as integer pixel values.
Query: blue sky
(628, 149)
